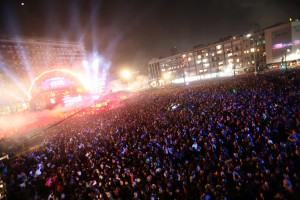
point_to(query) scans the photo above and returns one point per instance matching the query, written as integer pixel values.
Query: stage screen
(56, 83)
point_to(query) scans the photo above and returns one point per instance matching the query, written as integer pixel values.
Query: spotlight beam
(13, 78)
(24, 60)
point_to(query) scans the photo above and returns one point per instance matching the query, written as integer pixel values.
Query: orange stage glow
(69, 72)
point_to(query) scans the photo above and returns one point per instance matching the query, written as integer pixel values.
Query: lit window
(206, 65)
(204, 60)
(189, 59)
(230, 54)
(206, 54)
(198, 61)
(199, 57)
(219, 52)
(183, 55)
(218, 47)
(213, 54)
(238, 60)
(252, 49)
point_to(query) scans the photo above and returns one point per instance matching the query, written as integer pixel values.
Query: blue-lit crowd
(224, 138)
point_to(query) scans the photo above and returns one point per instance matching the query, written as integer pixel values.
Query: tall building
(22, 59)
(20, 54)
(235, 55)
(283, 43)
(254, 52)
(217, 57)
(174, 50)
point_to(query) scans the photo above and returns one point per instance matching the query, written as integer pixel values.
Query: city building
(22, 59)
(230, 55)
(254, 51)
(283, 44)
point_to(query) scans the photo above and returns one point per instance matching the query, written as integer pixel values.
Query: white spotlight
(126, 74)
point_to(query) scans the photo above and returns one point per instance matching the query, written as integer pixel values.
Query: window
(219, 52)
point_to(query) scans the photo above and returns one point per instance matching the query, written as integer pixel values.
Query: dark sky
(131, 32)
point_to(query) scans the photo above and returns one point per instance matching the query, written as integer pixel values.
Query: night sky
(131, 32)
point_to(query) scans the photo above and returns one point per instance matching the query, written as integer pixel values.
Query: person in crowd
(226, 138)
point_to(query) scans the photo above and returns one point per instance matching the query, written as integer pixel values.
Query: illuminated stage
(57, 88)
(55, 95)
(25, 130)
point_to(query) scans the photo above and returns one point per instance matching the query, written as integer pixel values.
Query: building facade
(39, 55)
(235, 55)
(22, 59)
(283, 43)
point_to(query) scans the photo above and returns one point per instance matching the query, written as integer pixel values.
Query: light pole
(253, 50)
(285, 61)
(233, 70)
(126, 75)
(166, 77)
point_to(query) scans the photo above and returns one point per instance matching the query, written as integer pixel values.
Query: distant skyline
(131, 32)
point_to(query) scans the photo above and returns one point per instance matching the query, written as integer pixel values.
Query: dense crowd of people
(224, 138)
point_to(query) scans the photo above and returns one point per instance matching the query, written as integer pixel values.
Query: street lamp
(285, 61)
(166, 76)
(233, 70)
(126, 75)
(253, 50)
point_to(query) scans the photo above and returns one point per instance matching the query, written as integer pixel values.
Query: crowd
(225, 138)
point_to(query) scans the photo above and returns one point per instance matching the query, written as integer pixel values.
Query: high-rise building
(19, 55)
(174, 50)
(22, 59)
